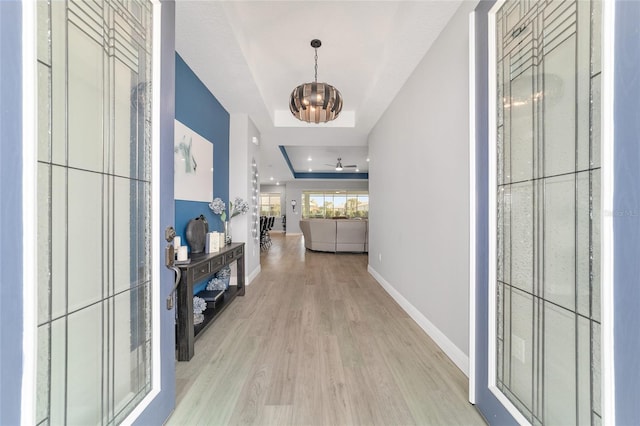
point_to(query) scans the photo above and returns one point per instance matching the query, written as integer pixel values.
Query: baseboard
(459, 358)
(252, 276)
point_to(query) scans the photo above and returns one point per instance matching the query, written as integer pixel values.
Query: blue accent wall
(626, 211)
(199, 110)
(11, 211)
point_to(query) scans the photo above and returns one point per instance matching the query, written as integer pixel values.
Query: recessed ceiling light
(277, 183)
(357, 170)
(271, 178)
(309, 158)
(367, 159)
(310, 170)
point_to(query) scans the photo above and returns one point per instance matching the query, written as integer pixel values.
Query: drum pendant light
(315, 102)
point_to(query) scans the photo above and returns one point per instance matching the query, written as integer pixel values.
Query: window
(270, 204)
(328, 204)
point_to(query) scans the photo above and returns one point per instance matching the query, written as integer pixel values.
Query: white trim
(607, 176)
(156, 226)
(29, 214)
(491, 368)
(252, 276)
(456, 355)
(472, 207)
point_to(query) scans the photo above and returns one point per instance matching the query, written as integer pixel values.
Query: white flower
(217, 206)
(224, 272)
(239, 206)
(199, 305)
(216, 284)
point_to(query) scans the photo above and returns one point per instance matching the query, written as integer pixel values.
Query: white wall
(294, 192)
(419, 192)
(242, 151)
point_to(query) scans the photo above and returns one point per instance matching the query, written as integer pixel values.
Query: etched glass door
(94, 210)
(545, 349)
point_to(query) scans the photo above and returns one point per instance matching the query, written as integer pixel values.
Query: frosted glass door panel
(44, 239)
(521, 233)
(559, 240)
(559, 365)
(85, 359)
(85, 92)
(548, 210)
(519, 366)
(94, 210)
(85, 238)
(58, 255)
(521, 128)
(559, 104)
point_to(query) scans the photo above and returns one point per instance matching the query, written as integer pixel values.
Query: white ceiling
(324, 158)
(251, 54)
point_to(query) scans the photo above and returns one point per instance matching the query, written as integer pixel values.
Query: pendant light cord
(316, 58)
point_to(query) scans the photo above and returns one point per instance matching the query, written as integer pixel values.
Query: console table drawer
(218, 261)
(200, 271)
(232, 255)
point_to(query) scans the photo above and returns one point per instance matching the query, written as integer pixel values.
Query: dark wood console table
(202, 267)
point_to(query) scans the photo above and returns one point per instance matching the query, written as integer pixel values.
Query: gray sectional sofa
(336, 235)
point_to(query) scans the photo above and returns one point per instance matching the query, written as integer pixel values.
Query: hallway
(316, 341)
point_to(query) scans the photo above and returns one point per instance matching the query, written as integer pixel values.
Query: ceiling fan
(339, 165)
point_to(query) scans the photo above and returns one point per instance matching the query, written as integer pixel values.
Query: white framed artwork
(192, 165)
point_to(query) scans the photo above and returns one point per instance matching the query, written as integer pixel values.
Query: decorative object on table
(196, 233)
(220, 280)
(294, 203)
(216, 284)
(183, 255)
(315, 102)
(218, 207)
(239, 206)
(199, 305)
(211, 296)
(212, 244)
(227, 232)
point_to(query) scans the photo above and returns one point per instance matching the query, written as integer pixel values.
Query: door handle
(169, 259)
(175, 287)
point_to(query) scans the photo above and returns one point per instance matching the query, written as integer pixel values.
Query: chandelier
(315, 102)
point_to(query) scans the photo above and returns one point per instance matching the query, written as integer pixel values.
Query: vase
(196, 233)
(227, 232)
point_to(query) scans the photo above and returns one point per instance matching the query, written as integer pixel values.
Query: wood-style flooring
(317, 341)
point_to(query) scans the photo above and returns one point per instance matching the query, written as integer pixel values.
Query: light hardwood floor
(317, 341)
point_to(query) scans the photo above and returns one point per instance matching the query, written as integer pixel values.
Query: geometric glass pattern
(548, 209)
(94, 209)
